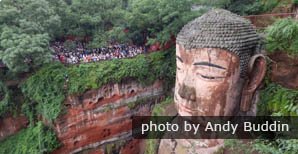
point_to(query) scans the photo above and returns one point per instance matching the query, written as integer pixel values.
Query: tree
(213, 3)
(22, 51)
(99, 19)
(61, 8)
(159, 19)
(89, 17)
(26, 28)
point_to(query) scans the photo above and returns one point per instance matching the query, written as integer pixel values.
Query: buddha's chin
(186, 111)
(186, 114)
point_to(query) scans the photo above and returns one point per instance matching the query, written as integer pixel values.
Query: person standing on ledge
(219, 68)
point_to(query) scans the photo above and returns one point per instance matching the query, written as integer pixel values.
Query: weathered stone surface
(284, 70)
(10, 125)
(219, 67)
(102, 117)
(222, 29)
(98, 121)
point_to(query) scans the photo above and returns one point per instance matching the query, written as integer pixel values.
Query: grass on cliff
(33, 140)
(51, 84)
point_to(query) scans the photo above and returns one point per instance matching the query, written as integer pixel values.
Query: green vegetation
(132, 105)
(26, 27)
(283, 36)
(238, 147)
(243, 7)
(46, 88)
(275, 99)
(214, 3)
(262, 6)
(263, 146)
(158, 110)
(49, 86)
(113, 147)
(37, 139)
(4, 99)
(138, 21)
(278, 101)
(252, 7)
(151, 146)
(159, 19)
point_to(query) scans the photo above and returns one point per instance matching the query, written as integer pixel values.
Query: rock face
(284, 70)
(10, 125)
(99, 121)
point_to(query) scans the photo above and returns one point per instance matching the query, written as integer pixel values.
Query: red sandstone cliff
(99, 121)
(10, 125)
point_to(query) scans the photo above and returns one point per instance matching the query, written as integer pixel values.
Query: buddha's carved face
(208, 82)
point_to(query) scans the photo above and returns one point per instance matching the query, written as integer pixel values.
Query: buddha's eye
(210, 77)
(210, 72)
(179, 70)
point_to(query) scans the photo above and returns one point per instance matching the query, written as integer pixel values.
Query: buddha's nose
(186, 92)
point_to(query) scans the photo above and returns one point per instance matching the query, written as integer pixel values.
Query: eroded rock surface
(10, 125)
(284, 70)
(99, 121)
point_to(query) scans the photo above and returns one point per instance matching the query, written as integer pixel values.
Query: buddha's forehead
(216, 55)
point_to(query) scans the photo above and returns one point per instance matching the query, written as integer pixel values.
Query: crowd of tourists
(80, 54)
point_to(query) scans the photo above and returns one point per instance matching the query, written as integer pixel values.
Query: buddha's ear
(256, 72)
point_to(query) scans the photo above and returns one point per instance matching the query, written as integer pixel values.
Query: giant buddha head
(219, 65)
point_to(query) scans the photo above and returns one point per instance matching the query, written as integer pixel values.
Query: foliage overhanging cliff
(49, 86)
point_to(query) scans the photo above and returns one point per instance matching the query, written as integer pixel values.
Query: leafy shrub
(263, 146)
(295, 2)
(37, 139)
(278, 146)
(49, 86)
(46, 88)
(277, 100)
(283, 36)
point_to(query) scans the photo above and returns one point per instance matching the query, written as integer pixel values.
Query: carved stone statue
(219, 68)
